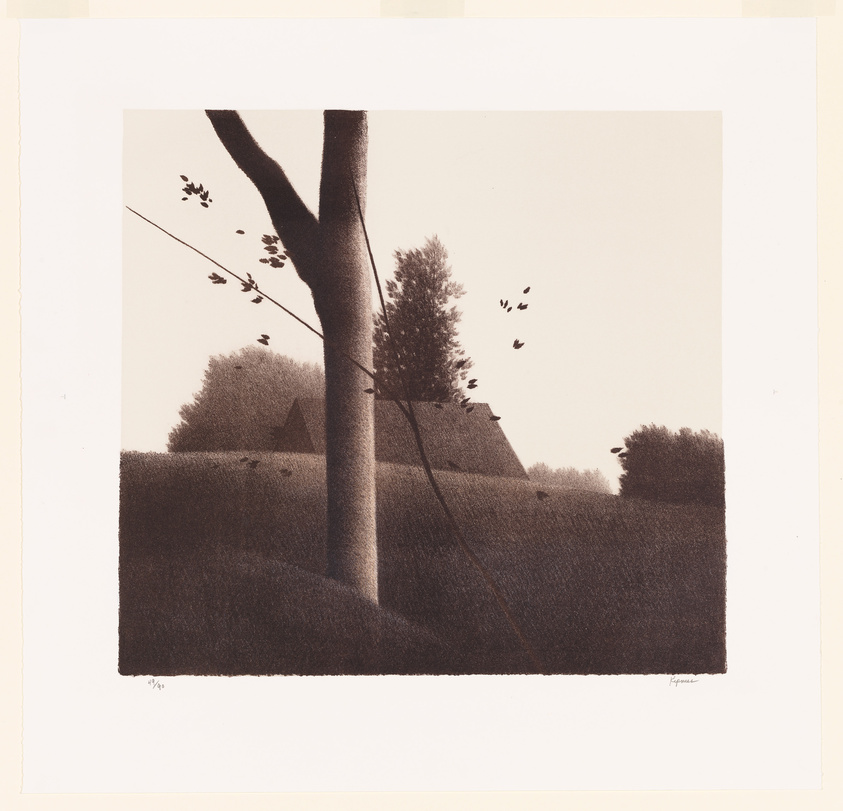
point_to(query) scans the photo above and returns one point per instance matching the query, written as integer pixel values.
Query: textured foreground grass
(221, 573)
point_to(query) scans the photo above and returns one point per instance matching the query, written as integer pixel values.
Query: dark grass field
(221, 573)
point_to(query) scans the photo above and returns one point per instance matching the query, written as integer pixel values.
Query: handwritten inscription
(156, 684)
(675, 681)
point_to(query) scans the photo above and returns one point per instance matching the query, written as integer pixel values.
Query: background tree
(244, 396)
(682, 468)
(423, 327)
(570, 478)
(329, 255)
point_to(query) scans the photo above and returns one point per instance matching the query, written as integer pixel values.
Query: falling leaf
(286, 472)
(523, 306)
(257, 300)
(469, 410)
(245, 459)
(264, 260)
(541, 495)
(453, 465)
(526, 290)
(183, 178)
(264, 335)
(623, 455)
(493, 418)
(266, 239)
(254, 463)
(438, 405)
(263, 341)
(204, 205)
(369, 391)
(617, 450)
(238, 367)
(516, 344)
(509, 309)
(239, 231)
(183, 199)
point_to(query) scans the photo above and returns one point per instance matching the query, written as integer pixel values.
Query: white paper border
(89, 730)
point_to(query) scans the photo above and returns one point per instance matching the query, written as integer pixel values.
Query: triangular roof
(454, 438)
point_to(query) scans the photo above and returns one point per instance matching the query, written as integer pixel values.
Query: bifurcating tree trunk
(330, 256)
(345, 310)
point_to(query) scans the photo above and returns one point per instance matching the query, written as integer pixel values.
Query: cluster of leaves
(200, 191)
(507, 308)
(244, 397)
(277, 257)
(681, 468)
(423, 329)
(569, 478)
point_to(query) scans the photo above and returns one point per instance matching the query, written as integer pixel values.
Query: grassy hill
(221, 573)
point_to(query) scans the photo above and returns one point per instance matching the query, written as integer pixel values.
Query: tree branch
(294, 223)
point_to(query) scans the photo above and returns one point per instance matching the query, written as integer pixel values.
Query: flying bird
(541, 495)
(523, 306)
(617, 450)
(516, 344)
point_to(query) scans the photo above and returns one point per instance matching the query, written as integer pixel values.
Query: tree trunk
(330, 256)
(345, 310)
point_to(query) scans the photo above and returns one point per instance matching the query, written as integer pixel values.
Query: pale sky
(613, 220)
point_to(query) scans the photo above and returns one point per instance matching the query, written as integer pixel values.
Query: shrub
(682, 468)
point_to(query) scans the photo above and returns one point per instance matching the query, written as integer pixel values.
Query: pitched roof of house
(454, 439)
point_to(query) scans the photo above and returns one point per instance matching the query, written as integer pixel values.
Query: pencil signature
(675, 681)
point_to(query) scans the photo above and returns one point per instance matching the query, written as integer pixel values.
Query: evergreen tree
(423, 327)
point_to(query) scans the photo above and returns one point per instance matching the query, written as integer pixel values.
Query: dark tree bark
(330, 256)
